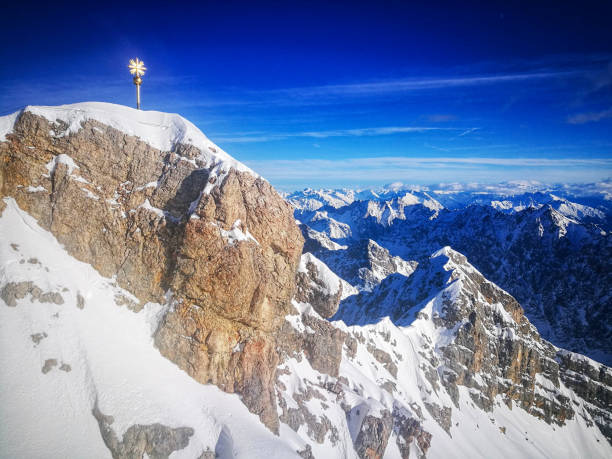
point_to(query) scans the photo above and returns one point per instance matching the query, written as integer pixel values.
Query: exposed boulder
(157, 441)
(371, 441)
(13, 291)
(409, 432)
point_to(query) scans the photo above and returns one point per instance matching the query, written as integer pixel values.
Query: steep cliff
(147, 199)
(439, 362)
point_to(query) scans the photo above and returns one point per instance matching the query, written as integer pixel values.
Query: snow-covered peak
(328, 282)
(163, 131)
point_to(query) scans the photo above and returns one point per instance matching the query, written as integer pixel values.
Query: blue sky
(343, 94)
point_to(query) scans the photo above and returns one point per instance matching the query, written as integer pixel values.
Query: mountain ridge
(162, 302)
(555, 264)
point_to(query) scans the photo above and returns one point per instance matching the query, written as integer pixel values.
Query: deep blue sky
(329, 94)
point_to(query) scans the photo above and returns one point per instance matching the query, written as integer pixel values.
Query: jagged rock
(383, 358)
(157, 441)
(38, 337)
(317, 427)
(371, 441)
(323, 348)
(318, 286)
(351, 346)
(48, 366)
(593, 382)
(321, 343)
(65, 367)
(442, 415)
(80, 301)
(123, 300)
(306, 453)
(229, 254)
(408, 430)
(13, 291)
(364, 263)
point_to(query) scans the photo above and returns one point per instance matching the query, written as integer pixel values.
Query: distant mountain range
(548, 246)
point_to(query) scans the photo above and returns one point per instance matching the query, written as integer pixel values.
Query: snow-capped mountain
(552, 254)
(436, 363)
(158, 299)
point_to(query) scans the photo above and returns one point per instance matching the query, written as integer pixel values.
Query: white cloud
(361, 132)
(416, 84)
(355, 171)
(468, 131)
(590, 117)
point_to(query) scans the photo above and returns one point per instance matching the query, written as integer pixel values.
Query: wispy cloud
(360, 132)
(353, 171)
(590, 117)
(427, 161)
(418, 84)
(468, 131)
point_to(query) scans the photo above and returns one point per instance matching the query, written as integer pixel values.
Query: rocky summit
(181, 222)
(158, 298)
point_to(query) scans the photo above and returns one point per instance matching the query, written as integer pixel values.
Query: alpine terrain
(159, 299)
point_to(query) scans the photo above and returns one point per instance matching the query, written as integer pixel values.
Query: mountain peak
(164, 131)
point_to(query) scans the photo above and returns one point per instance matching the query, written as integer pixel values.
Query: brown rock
(371, 441)
(312, 289)
(230, 295)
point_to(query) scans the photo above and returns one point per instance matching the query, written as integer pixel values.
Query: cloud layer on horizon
(295, 174)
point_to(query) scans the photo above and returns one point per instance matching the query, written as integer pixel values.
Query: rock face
(494, 350)
(364, 263)
(184, 221)
(410, 431)
(373, 436)
(319, 286)
(592, 381)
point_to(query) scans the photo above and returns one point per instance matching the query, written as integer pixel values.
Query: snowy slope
(163, 131)
(367, 385)
(102, 352)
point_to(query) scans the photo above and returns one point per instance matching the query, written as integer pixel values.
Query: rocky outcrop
(371, 441)
(13, 291)
(409, 432)
(157, 441)
(319, 341)
(219, 238)
(318, 286)
(593, 382)
(484, 342)
(314, 338)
